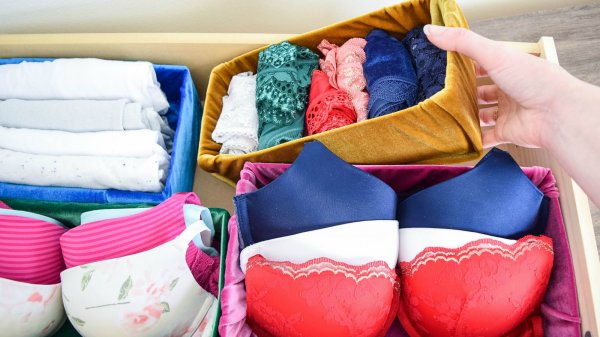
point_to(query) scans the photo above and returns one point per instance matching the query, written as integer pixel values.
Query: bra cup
(30, 309)
(412, 241)
(149, 294)
(353, 243)
(340, 281)
(24, 238)
(481, 200)
(319, 190)
(113, 238)
(320, 297)
(490, 280)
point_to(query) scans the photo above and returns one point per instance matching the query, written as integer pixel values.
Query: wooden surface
(576, 32)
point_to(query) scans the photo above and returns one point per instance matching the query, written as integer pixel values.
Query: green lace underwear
(283, 77)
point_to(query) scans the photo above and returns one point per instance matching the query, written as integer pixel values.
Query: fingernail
(433, 29)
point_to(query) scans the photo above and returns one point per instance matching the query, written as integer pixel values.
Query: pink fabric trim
(113, 238)
(4, 206)
(30, 250)
(233, 294)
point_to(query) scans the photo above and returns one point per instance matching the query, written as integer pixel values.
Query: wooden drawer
(201, 52)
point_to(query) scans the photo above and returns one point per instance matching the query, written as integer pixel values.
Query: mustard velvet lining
(440, 130)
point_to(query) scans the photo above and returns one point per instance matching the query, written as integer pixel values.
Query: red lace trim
(323, 264)
(331, 110)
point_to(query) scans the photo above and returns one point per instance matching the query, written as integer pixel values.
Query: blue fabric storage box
(184, 118)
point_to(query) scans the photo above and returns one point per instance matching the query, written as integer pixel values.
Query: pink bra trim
(30, 250)
(113, 238)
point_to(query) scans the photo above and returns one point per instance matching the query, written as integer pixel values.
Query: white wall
(251, 16)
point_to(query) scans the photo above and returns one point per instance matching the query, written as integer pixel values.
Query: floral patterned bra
(152, 293)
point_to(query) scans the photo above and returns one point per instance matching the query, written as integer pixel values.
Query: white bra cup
(415, 240)
(30, 309)
(354, 243)
(209, 323)
(150, 294)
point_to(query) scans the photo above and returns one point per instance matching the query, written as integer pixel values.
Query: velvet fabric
(482, 200)
(560, 311)
(318, 191)
(68, 213)
(442, 129)
(183, 115)
(390, 74)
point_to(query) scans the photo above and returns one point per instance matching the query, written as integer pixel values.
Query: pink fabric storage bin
(559, 310)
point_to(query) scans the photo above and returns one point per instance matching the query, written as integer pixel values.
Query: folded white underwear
(83, 79)
(134, 143)
(237, 127)
(101, 172)
(81, 116)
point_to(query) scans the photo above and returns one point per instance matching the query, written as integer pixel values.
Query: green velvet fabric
(68, 213)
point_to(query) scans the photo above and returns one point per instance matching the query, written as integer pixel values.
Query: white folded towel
(83, 79)
(134, 143)
(123, 173)
(81, 116)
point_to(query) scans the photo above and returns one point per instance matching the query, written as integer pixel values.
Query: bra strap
(189, 233)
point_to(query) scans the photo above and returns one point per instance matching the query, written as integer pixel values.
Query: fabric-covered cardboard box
(441, 129)
(559, 309)
(183, 117)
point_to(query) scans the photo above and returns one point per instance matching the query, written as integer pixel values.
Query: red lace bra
(320, 297)
(483, 288)
(335, 281)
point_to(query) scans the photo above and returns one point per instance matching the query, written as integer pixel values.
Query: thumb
(489, 138)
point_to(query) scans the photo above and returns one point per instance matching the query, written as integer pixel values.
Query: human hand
(529, 91)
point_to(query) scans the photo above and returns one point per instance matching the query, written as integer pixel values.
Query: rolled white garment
(123, 173)
(83, 78)
(237, 127)
(134, 143)
(80, 115)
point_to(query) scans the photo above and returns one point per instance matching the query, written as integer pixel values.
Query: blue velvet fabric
(494, 198)
(390, 74)
(183, 116)
(319, 190)
(429, 62)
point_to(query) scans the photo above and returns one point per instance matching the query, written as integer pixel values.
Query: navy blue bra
(494, 198)
(319, 190)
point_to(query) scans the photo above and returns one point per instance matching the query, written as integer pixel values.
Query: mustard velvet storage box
(441, 129)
